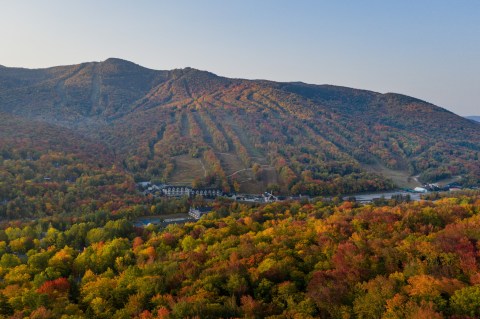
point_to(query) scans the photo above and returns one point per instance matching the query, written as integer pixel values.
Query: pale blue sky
(427, 49)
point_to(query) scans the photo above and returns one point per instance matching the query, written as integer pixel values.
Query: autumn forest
(75, 141)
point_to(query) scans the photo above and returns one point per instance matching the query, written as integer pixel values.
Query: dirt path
(204, 169)
(240, 170)
(248, 169)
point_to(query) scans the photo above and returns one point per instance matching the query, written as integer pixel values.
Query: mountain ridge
(475, 118)
(195, 127)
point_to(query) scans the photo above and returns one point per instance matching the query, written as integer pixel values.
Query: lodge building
(180, 191)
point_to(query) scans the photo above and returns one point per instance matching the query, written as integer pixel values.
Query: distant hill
(187, 126)
(474, 118)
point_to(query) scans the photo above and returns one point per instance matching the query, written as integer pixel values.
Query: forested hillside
(282, 260)
(193, 127)
(48, 170)
(74, 140)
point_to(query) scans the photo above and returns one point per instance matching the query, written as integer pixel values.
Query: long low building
(179, 191)
(198, 212)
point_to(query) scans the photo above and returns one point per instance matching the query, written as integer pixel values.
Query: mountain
(187, 126)
(474, 118)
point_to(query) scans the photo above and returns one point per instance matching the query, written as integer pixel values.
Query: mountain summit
(188, 126)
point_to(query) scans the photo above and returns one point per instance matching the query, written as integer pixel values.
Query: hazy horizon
(425, 50)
